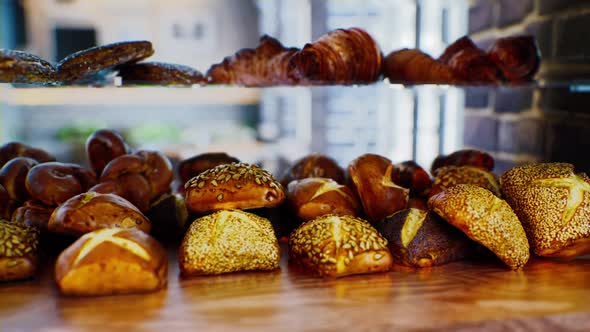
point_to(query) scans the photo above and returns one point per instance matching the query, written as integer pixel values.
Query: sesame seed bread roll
(229, 241)
(553, 204)
(233, 186)
(486, 219)
(448, 176)
(112, 261)
(336, 246)
(18, 251)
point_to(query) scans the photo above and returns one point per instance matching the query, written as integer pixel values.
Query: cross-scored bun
(314, 197)
(486, 219)
(112, 261)
(233, 186)
(553, 204)
(337, 246)
(229, 241)
(18, 251)
(448, 176)
(90, 211)
(422, 239)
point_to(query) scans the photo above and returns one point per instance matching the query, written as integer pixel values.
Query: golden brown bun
(314, 197)
(191, 167)
(265, 65)
(486, 219)
(12, 150)
(342, 56)
(337, 246)
(53, 183)
(553, 204)
(91, 211)
(371, 178)
(422, 239)
(465, 157)
(18, 251)
(314, 165)
(448, 176)
(229, 241)
(233, 186)
(92, 60)
(13, 176)
(112, 261)
(21, 67)
(103, 146)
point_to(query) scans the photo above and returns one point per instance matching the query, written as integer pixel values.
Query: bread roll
(12, 150)
(112, 261)
(233, 186)
(91, 211)
(486, 219)
(53, 183)
(553, 204)
(448, 176)
(422, 239)
(314, 197)
(313, 166)
(337, 246)
(371, 177)
(229, 241)
(13, 176)
(103, 146)
(191, 167)
(18, 251)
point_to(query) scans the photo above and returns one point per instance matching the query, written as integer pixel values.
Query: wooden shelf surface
(481, 296)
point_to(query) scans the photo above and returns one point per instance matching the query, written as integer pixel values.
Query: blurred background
(277, 125)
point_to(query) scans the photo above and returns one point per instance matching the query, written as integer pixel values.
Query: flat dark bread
(22, 67)
(90, 61)
(160, 73)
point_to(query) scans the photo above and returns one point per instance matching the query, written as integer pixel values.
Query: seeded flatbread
(22, 67)
(160, 73)
(90, 61)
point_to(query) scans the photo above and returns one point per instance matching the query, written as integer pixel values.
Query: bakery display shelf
(471, 295)
(113, 95)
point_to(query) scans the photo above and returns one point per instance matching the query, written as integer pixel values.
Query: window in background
(70, 40)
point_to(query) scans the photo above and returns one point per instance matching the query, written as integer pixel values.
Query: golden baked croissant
(265, 65)
(342, 56)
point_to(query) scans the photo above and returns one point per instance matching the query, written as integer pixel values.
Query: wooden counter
(482, 296)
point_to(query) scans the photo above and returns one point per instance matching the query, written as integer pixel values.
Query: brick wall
(531, 124)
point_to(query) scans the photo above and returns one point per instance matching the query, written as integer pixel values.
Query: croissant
(342, 56)
(263, 66)
(511, 59)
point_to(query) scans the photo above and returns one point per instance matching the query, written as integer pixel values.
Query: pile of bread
(342, 56)
(108, 222)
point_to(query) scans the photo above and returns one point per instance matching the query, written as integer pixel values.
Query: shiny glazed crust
(112, 261)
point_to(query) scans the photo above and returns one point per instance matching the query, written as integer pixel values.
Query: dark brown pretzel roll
(466, 157)
(191, 167)
(133, 187)
(153, 165)
(12, 150)
(409, 174)
(33, 214)
(314, 165)
(53, 183)
(7, 205)
(517, 57)
(103, 146)
(371, 177)
(13, 176)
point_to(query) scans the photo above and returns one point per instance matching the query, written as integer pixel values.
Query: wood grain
(481, 296)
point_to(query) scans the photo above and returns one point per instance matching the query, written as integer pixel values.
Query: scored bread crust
(229, 241)
(112, 261)
(553, 204)
(233, 186)
(337, 246)
(90, 211)
(486, 219)
(313, 197)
